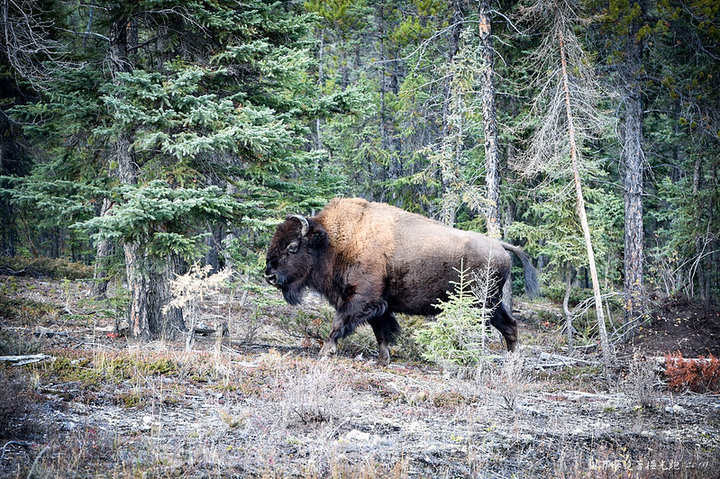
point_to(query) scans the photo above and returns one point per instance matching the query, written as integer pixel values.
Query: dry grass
(641, 381)
(169, 413)
(513, 380)
(660, 460)
(315, 395)
(120, 409)
(17, 404)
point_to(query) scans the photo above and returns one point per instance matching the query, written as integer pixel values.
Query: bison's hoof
(383, 361)
(327, 350)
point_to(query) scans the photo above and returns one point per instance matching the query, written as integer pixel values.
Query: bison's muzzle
(275, 279)
(272, 279)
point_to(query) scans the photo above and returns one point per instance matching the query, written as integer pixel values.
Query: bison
(372, 260)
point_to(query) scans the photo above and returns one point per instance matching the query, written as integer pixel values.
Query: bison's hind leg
(386, 328)
(507, 326)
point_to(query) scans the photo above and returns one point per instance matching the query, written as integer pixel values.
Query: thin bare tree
(27, 41)
(489, 114)
(566, 107)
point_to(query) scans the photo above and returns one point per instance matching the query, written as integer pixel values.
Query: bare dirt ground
(682, 325)
(100, 405)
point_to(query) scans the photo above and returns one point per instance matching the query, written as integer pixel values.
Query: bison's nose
(271, 278)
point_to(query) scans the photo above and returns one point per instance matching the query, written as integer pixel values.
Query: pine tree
(684, 130)
(626, 23)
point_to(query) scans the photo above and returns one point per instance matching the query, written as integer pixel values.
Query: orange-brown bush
(700, 375)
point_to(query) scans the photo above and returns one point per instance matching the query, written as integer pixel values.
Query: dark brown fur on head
(293, 258)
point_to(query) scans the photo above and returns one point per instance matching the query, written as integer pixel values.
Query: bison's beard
(293, 294)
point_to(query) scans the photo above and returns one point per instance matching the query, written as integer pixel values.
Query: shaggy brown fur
(371, 260)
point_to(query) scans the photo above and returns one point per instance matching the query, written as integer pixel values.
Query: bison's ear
(317, 238)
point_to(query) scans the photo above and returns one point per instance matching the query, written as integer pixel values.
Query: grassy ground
(259, 403)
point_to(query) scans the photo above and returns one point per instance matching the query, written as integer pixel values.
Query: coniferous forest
(142, 141)
(141, 137)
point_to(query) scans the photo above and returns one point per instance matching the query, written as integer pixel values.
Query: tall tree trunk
(569, 330)
(102, 256)
(377, 170)
(127, 174)
(382, 80)
(148, 278)
(607, 354)
(699, 238)
(508, 219)
(492, 151)
(13, 161)
(388, 83)
(449, 167)
(320, 82)
(633, 162)
(711, 262)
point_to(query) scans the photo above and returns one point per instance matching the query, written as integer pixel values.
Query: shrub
(514, 380)
(700, 375)
(639, 382)
(317, 395)
(458, 334)
(16, 344)
(310, 324)
(189, 292)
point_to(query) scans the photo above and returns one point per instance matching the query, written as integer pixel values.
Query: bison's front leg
(348, 318)
(330, 345)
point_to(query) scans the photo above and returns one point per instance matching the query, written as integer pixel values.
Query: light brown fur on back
(375, 233)
(359, 230)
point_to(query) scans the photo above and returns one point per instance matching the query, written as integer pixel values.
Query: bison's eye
(292, 248)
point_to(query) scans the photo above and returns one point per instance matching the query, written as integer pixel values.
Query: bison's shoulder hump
(357, 228)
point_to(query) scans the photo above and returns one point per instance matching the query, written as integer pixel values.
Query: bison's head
(294, 252)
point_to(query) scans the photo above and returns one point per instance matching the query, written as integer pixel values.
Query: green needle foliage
(456, 336)
(163, 220)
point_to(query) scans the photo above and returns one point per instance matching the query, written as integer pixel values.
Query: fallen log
(48, 334)
(661, 360)
(554, 360)
(205, 331)
(26, 359)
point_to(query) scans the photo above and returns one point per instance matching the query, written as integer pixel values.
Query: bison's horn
(305, 224)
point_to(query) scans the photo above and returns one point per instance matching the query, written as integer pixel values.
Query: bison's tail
(532, 285)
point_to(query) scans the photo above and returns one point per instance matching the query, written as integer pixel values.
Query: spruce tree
(192, 94)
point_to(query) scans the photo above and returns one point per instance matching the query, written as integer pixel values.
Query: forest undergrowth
(97, 403)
